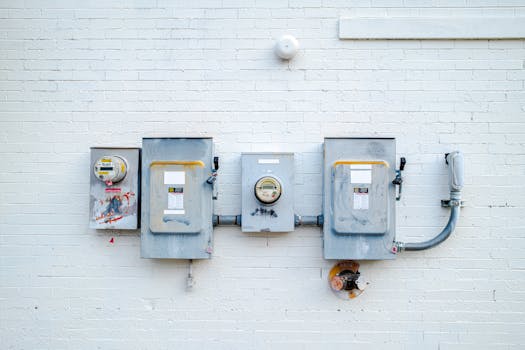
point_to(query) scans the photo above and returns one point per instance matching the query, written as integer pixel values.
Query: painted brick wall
(75, 74)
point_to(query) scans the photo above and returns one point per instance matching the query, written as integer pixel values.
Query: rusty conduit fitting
(454, 161)
(345, 281)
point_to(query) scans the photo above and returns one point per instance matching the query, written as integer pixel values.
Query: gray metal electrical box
(359, 198)
(267, 192)
(177, 206)
(114, 188)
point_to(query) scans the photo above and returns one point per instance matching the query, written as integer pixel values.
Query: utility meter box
(359, 198)
(177, 204)
(267, 192)
(114, 188)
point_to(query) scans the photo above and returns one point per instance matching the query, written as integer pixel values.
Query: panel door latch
(213, 178)
(398, 181)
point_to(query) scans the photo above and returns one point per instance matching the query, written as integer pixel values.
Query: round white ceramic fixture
(286, 47)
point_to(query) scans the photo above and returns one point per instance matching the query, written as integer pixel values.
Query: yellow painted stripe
(178, 162)
(349, 162)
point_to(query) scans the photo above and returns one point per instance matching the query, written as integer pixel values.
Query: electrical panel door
(175, 203)
(359, 198)
(114, 188)
(176, 198)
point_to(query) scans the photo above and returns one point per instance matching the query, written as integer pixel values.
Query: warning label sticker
(175, 198)
(361, 198)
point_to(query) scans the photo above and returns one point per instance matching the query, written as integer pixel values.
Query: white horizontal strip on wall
(432, 28)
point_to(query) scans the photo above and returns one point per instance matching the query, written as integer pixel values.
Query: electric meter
(114, 207)
(110, 169)
(265, 206)
(268, 190)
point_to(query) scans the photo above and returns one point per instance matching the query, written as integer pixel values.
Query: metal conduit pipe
(308, 220)
(443, 235)
(230, 220)
(455, 171)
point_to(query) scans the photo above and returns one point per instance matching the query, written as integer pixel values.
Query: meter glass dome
(268, 190)
(110, 169)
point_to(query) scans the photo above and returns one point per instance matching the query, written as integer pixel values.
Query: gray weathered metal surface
(359, 205)
(177, 206)
(359, 198)
(115, 206)
(276, 217)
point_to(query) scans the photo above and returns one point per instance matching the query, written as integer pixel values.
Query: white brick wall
(75, 74)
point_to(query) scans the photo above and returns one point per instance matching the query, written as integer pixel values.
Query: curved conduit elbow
(443, 235)
(455, 171)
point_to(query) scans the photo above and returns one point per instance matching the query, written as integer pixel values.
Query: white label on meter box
(268, 161)
(361, 198)
(174, 177)
(176, 198)
(361, 176)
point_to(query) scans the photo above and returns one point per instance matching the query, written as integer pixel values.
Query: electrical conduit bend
(455, 171)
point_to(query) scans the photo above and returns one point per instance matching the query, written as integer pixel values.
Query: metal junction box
(359, 198)
(267, 192)
(177, 204)
(114, 188)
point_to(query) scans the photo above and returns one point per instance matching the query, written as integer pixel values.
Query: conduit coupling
(229, 220)
(301, 220)
(455, 175)
(232, 220)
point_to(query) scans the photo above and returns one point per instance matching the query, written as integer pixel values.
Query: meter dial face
(268, 190)
(110, 168)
